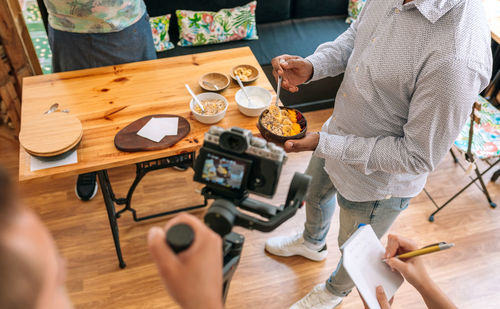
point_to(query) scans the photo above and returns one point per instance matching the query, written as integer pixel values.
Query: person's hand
(412, 269)
(194, 276)
(308, 142)
(382, 299)
(295, 70)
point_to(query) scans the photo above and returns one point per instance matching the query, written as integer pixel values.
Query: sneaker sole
(317, 257)
(93, 194)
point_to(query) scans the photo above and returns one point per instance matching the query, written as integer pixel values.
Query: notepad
(362, 259)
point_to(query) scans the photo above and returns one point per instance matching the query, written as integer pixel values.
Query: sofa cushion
(311, 8)
(295, 37)
(267, 10)
(205, 27)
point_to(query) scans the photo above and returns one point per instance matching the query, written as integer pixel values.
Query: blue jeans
(320, 206)
(76, 51)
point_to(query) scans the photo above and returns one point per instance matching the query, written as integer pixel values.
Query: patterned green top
(94, 16)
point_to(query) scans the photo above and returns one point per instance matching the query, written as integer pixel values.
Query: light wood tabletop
(109, 98)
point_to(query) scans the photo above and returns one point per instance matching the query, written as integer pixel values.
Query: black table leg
(110, 208)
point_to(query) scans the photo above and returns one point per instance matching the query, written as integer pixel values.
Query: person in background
(194, 277)
(412, 71)
(93, 33)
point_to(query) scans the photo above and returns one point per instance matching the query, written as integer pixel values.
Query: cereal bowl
(260, 98)
(247, 73)
(209, 118)
(280, 139)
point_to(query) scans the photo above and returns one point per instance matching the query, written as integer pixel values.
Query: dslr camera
(233, 162)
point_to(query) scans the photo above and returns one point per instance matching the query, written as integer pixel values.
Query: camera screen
(225, 172)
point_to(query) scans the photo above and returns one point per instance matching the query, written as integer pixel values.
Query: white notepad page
(362, 255)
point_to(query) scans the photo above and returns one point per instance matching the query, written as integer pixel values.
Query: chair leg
(485, 191)
(454, 156)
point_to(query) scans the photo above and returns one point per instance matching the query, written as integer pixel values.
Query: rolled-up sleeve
(440, 106)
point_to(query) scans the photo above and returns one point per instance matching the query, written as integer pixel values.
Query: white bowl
(253, 91)
(209, 119)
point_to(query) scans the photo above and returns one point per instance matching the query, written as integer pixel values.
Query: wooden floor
(469, 273)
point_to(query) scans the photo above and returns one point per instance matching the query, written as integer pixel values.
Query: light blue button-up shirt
(411, 74)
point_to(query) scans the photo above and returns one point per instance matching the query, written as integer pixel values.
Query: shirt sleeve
(440, 106)
(330, 58)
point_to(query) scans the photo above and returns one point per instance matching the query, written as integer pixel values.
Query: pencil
(425, 250)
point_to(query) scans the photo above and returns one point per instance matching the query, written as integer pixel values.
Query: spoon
(244, 90)
(211, 85)
(280, 80)
(195, 98)
(52, 108)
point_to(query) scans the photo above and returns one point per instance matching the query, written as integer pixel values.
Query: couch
(294, 27)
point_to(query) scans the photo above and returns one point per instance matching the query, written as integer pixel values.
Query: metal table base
(142, 168)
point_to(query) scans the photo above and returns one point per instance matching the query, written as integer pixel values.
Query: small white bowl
(253, 91)
(209, 119)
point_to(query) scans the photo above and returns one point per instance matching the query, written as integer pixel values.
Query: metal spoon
(211, 85)
(280, 80)
(195, 98)
(52, 108)
(244, 90)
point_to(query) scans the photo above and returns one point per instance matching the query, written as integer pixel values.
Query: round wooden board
(128, 140)
(51, 134)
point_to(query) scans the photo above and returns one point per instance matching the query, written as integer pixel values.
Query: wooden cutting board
(128, 140)
(51, 134)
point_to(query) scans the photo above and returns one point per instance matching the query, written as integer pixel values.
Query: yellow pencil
(425, 250)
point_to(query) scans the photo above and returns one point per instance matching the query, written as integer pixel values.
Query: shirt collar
(433, 10)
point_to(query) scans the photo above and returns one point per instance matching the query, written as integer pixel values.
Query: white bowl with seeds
(215, 106)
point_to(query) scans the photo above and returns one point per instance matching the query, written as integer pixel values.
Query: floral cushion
(486, 138)
(202, 28)
(159, 27)
(353, 10)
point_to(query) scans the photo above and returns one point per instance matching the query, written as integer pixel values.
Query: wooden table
(109, 98)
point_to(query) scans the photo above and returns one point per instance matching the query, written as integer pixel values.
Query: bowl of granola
(214, 104)
(278, 125)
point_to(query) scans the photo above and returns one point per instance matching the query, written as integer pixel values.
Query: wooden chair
(478, 140)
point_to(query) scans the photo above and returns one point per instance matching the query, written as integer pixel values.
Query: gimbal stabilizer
(225, 213)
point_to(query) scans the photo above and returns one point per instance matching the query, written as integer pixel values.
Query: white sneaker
(294, 245)
(318, 298)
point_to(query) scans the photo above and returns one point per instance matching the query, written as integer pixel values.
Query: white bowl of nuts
(215, 106)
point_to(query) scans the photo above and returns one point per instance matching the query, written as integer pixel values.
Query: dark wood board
(128, 140)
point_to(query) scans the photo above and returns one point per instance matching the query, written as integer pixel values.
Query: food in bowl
(247, 73)
(212, 107)
(282, 122)
(243, 73)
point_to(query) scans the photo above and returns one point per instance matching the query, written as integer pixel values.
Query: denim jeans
(320, 206)
(76, 51)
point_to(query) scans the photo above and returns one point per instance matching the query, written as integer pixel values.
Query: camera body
(233, 162)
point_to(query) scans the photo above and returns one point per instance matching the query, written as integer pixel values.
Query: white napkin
(157, 128)
(43, 163)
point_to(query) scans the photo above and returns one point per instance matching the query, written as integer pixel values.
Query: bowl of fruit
(279, 124)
